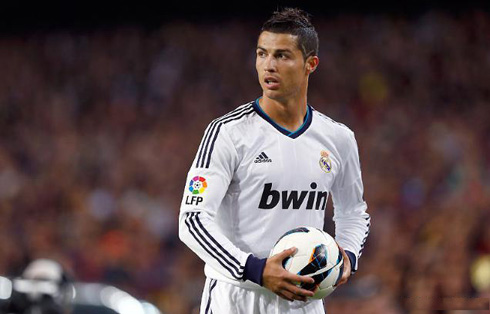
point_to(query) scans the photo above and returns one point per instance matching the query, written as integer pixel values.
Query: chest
(305, 163)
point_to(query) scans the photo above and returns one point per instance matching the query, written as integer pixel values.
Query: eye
(260, 53)
(282, 56)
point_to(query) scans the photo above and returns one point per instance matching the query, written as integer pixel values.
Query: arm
(206, 186)
(352, 222)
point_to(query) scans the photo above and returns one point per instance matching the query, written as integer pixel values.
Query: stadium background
(102, 110)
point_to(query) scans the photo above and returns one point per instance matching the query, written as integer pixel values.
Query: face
(281, 68)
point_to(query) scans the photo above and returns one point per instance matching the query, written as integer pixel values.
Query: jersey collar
(291, 134)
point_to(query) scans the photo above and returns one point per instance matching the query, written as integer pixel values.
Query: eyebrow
(276, 51)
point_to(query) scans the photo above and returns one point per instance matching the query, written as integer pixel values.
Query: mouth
(271, 82)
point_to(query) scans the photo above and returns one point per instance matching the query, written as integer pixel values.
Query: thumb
(287, 253)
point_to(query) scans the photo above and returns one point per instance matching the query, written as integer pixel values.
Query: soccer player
(268, 167)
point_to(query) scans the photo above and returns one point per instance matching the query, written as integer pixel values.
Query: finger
(286, 253)
(344, 255)
(343, 279)
(291, 296)
(299, 297)
(316, 289)
(285, 295)
(299, 291)
(300, 279)
(341, 282)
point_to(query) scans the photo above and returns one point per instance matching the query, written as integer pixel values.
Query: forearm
(199, 232)
(351, 233)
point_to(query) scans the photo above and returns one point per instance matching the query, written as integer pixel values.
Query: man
(252, 172)
(43, 288)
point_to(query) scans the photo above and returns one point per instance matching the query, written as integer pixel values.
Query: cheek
(259, 74)
(258, 64)
(294, 76)
(258, 68)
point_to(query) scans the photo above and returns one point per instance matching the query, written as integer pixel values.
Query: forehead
(276, 41)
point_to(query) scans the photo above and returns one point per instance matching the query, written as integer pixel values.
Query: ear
(312, 63)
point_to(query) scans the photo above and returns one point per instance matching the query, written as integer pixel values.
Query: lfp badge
(325, 162)
(198, 185)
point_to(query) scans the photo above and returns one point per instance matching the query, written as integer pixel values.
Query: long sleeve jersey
(252, 180)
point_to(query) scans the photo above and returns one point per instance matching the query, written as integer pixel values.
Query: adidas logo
(262, 158)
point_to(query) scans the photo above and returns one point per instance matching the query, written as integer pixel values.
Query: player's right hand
(282, 282)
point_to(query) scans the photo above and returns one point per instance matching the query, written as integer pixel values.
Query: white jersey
(252, 180)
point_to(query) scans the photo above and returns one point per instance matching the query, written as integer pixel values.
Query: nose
(270, 64)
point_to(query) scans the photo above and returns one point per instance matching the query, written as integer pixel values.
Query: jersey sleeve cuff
(353, 261)
(254, 268)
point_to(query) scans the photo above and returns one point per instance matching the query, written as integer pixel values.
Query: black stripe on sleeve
(212, 126)
(219, 245)
(206, 134)
(208, 248)
(238, 269)
(244, 113)
(212, 284)
(365, 235)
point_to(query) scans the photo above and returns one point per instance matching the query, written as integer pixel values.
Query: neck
(289, 113)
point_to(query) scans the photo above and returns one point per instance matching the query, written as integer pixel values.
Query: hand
(282, 282)
(347, 268)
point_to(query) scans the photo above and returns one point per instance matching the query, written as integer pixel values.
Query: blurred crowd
(99, 127)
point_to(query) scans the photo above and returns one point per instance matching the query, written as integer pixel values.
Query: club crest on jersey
(325, 162)
(198, 185)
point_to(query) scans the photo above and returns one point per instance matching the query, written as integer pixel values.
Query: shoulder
(234, 117)
(217, 136)
(223, 127)
(338, 129)
(340, 135)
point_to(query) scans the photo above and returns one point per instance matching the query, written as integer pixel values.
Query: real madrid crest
(325, 162)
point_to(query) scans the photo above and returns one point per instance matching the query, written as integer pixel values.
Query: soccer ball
(318, 256)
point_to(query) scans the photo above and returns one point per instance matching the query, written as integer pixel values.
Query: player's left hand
(347, 269)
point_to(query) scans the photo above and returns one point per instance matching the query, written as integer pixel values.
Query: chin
(274, 95)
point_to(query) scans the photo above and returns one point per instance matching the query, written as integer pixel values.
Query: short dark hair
(295, 22)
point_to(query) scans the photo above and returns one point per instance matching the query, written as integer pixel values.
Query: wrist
(352, 260)
(254, 269)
